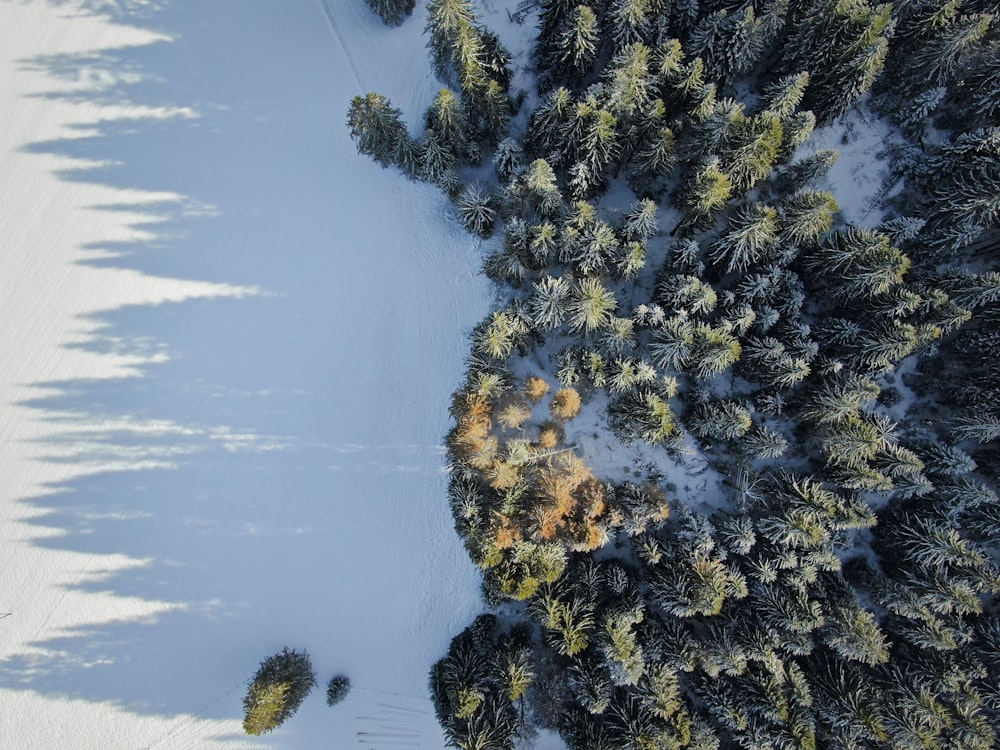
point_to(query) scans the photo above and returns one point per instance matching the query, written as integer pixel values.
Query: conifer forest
(672, 264)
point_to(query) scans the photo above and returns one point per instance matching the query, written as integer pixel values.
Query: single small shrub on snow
(337, 689)
(277, 690)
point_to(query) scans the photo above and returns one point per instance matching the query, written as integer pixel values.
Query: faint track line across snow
(328, 14)
(187, 719)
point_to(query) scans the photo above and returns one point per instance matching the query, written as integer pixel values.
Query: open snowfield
(227, 346)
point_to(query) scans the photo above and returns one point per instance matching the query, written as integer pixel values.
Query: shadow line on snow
(245, 449)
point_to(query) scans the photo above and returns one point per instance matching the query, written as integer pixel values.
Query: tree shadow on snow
(263, 469)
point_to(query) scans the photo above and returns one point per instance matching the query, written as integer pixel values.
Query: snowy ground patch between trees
(228, 345)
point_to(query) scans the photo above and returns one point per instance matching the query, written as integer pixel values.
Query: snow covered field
(227, 348)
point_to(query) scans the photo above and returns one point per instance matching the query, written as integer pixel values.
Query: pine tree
(704, 195)
(695, 583)
(639, 222)
(447, 22)
(277, 690)
(576, 48)
(854, 634)
(392, 12)
(546, 131)
(751, 235)
(508, 160)
(963, 185)
(475, 207)
(933, 43)
(337, 689)
(687, 294)
(795, 130)
(446, 117)
(752, 149)
(631, 21)
(979, 101)
(859, 263)
(628, 82)
(592, 251)
(806, 216)
(730, 44)
(782, 97)
(721, 420)
(590, 306)
(806, 171)
(377, 128)
(644, 415)
(843, 44)
(537, 189)
(548, 302)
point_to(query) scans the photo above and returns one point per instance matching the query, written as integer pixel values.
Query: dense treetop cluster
(670, 257)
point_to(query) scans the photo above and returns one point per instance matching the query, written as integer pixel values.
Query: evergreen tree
(590, 306)
(377, 128)
(721, 420)
(277, 690)
(806, 171)
(859, 263)
(548, 302)
(508, 160)
(576, 48)
(704, 195)
(843, 44)
(782, 97)
(476, 210)
(854, 634)
(448, 22)
(962, 185)
(752, 233)
(631, 21)
(628, 81)
(752, 150)
(446, 117)
(644, 415)
(392, 12)
(977, 102)
(931, 44)
(639, 222)
(337, 689)
(806, 216)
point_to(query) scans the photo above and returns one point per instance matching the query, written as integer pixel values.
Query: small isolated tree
(277, 690)
(337, 689)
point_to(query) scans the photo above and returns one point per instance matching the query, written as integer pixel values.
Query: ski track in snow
(332, 22)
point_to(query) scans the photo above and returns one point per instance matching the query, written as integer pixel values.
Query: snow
(228, 344)
(858, 179)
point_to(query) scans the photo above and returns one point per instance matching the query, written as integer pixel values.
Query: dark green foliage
(377, 129)
(962, 182)
(476, 685)
(820, 370)
(843, 45)
(277, 690)
(475, 207)
(392, 12)
(337, 689)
